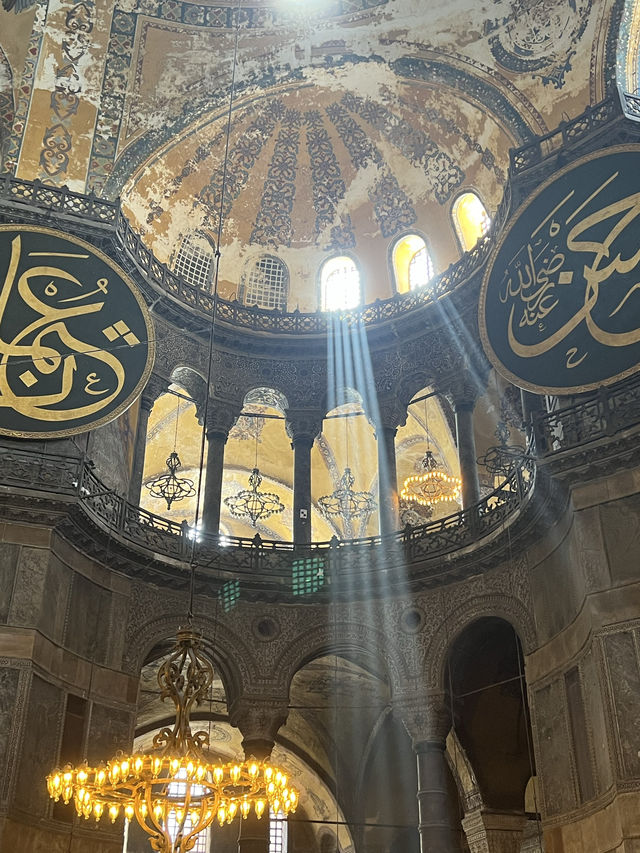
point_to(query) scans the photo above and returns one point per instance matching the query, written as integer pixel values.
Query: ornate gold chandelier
(431, 487)
(176, 791)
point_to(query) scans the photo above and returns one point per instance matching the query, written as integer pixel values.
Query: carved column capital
(221, 416)
(391, 413)
(463, 391)
(259, 720)
(155, 387)
(303, 425)
(426, 717)
(494, 832)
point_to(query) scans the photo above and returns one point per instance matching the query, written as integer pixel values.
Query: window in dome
(266, 284)
(471, 220)
(340, 284)
(194, 261)
(412, 264)
(277, 832)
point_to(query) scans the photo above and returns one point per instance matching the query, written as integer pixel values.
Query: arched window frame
(457, 227)
(395, 277)
(244, 292)
(321, 284)
(278, 832)
(191, 262)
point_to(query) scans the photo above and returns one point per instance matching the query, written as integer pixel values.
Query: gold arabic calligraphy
(535, 276)
(46, 350)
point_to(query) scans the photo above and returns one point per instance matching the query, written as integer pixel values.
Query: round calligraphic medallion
(76, 338)
(560, 300)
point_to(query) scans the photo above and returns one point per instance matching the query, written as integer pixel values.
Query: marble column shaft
(387, 480)
(467, 454)
(212, 493)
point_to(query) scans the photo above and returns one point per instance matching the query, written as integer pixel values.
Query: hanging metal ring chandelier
(176, 791)
(252, 503)
(170, 486)
(432, 486)
(345, 502)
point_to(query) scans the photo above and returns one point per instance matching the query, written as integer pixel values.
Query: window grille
(277, 832)
(194, 260)
(178, 790)
(267, 284)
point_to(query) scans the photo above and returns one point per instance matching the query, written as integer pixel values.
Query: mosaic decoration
(626, 14)
(120, 52)
(65, 100)
(480, 90)
(273, 225)
(242, 159)
(76, 337)
(267, 397)
(23, 101)
(538, 35)
(7, 107)
(393, 209)
(559, 306)
(200, 155)
(247, 429)
(327, 183)
(443, 174)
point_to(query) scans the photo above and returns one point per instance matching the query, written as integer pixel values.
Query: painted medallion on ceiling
(540, 36)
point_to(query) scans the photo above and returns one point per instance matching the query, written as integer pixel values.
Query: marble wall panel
(579, 734)
(555, 768)
(39, 748)
(110, 729)
(26, 603)
(8, 698)
(621, 527)
(56, 593)
(88, 619)
(593, 698)
(621, 659)
(8, 564)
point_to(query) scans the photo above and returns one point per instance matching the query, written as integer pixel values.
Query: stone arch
(229, 653)
(195, 385)
(344, 639)
(502, 606)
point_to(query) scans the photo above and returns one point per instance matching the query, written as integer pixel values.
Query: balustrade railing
(606, 412)
(305, 568)
(571, 132)
(90, 208)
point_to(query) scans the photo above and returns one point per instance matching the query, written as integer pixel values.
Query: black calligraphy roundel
(560, 300)
(76, 338)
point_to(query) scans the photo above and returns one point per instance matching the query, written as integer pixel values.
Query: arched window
(470, 219)
(266, 283)
(339, 284)
(277, 832)
(412, 264)
(194, 261)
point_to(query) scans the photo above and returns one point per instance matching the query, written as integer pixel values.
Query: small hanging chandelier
(176, 791)
(432, 485)
(502, 458)
(252, 503)
(346, 503)
(169, 486)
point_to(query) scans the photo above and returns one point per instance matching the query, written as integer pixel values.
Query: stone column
(427, 719)
(220, 419)
(494, 832)
(153, 389)
(258, 720)
(462, 397)
(303, 427)
(392, 416)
